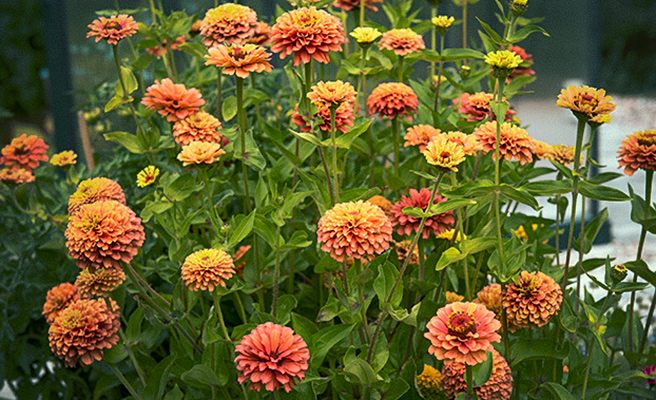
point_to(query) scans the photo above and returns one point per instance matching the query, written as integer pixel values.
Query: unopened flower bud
(618, 273)
(225, 228)
(464, 72)
(518, 7)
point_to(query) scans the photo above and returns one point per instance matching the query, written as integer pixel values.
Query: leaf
(362, 371)
(127, 140)
(447, 55)
(308, 137)
(559, 391)
(200, 375)
(524, 32)
(344, 141)
(229, 108)
(440, 208)
(532, 349)
(548, 187)
(483, 371)
(113, 103)
(182, 187)
(448, 257)
(195, 49)
(640, 267)
(356, 194)
(387, 275)
(130, 82)
(491, 33)
(325, 339)
(157, 379)
(519, 195)
(599, 192)
(591, 231)
(242, 230)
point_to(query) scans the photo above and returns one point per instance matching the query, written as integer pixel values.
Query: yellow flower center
(72, 319)
(460, 323)
(527, 285)
(646, 138)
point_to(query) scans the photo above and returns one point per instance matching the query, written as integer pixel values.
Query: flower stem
(140, 372)
(587, 369)
(276, 275)
(241, 116)
(649, 179)
(439, 76)
(497, 170)
(216, 220)
(219, 92)
(433, 38)
(333, 129)
(124, 381)
(363, 310)
(469, 379)
(400, 73)
(219, 314)
(397, 140)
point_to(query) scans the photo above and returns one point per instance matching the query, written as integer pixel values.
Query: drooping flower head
(366, 35)
(498, 387)
(402, 41)
(391, 99)
(172, 99)
(420, 135)
(532, 301)
(112, 29)
(429, 383)
(239, 59)
(58, 298)
(445, 154)
(230, 23)
(354, 229)
(99, 282)
(476, 107)
(64, 158)
(514, 141)
(200, 152)
(651, 371)
(442, 23)
(16, 175)
(490, 297)
(308, 33)
(24, 152)
(344, 118)
(147, 176)
(331, 94)
(526, 57)
(93, 190)
(207, 269)
(586, 101)
(638, 151)
(83, 330)
(159, 50)
(462, 333)
(406, 224)
(348, 5)
(104, 234)
(272, 356)
(199, 126)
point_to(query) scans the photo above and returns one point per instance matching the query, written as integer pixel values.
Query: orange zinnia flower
(476, 107)
(58, 298)
(92, 190)
(444, 153)
(272, 356)
(638, 151)
(163, 48)
(401, 41)
(17, 175)
(171, 99)
(308, 33)
(586, 101)
(498, 387)
(207, 269)
(515, 141)
(200, 152)
(331, 94)
(490, 297)
(561, 154)
(199, 126)
(83, 330)
(406, 224)
(532, 301)
(64, 158)
(24, 152)
(100, 282)
(381, 202)
(112, 29)
(452, 297)
(420, 135)
(462, 333)
(354, 229)
(230, 23)
(348, 5)
(261, 35)
(392, 99)
(239, 59)
(343, 118)
(104, 233)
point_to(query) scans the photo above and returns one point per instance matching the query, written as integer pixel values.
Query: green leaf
(524, 32)
(448, 257)
(195, 49)
(591, 231)
(439, 208)
(130, 82)
(344, 141)
(157, 379)
(356, 194)
(182, 187)
(599, 192)
(491, 33)
(362, 371)
(229, 108)
(174, 394)
(397, 388)
(604, 177)
(535, 349)
(559, 391)
(127, 140)
(640, 267)
(548, 187)
(254, 96)
(326, 339)
(483, 371)
(387, 274)
(307, 137)
(114, 103)
(201, 375)
(447, 55)
(242, 230)
(519, 195)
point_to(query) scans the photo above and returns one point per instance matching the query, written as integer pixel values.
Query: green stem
(239, 305)
(433, 39)
(464, 29)
(400, 73)
(333, 129)
(363, 310)
(587, 369)
(649, 178)
(124, 381)
(362, 10)
(219, 314)
(241, 115)
(504, 321)
(469, 379)
(497, 172)
(216, 220)
(276, 274)
(219, 93)
(397, 140)
(140, 372)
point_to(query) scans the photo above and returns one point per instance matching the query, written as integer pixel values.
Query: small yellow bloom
(521, 232)
(452, 297)
(64, 158)
(444, 153)
(442, 21)
(448, 234)
(365, 35)
(503, 59)
(147, 176)
(429, 382)
(520, 2)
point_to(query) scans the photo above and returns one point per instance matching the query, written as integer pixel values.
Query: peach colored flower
(468, 143)
(24, 152)
(490, 297)
(419, 199)
(100, 282)
(93, 190)
(401, 41)
(348, 5)
(429, 383)
(83, 330)
(562, 154)
(272, 356)
(586, 101)
(58, 298)
(476, 107)
(207, 269)
(354, 229)
(239, 59)
(200, 152)
(452, 297)
(199, 126)
(308, 33)
(522, 71)
(420, 135)
(261, 35)
(391, 99)
(444, 153)
(331, 94)
(344, 118)
(163, 48)
(147, 176)
(498, 387)
(381, 202)
(230, 23)
(104, 234)
(638, 151)
(462, 333)
(403, 251)
(112, 29)
(532, 301)
(515, 141)
(16, 175)
(64, 158)
(172, 99)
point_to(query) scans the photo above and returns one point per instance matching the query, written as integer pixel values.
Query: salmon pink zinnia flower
(92, 190)
(172, 99)
(476, 107)
(239, 59)
(348, 5)
(498, 387)
(532, 301)
(331, 94)
(406, 224)
(490, 297)
(420, 135)
(112, 29)
(638, 151)
(207, 269)
(24, 152)
(230, 23)
(199, 126)
(514, 141)
(402, 41)
(391, 99)
(526, 57)
(468, 143)
(343, 118)
(58, 298)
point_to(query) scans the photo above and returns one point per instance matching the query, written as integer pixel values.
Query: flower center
(646, 138)
(460, 323)
(72, 319)
(112, 25)
(587, 99)
(527, 285)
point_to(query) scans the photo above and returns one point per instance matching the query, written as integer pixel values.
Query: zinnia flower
(420, 135)
(16, 175)
(308, 33)
(200, 152)
(112, 29)
(468, 143)
(207, 269)
(163, 48)
(354, 229)
(402, 41)
(403, 251)
(58, 298)
(444, 153)
(348, 5)
(104, 233)
(93, 190)
(272, 356)
(365, 35)
(503, 59)
(64, 158)
(147, 176)
(239, 59)
(241, 258)
(344, 118)
(429, 383)
(230, 23)
(392, 99)
(452, 297)
(442, 23)
(651, 371)
(83, 330)
(448, 235)
(406, 224)
(331, 94)
(100, 282)
(462, 332)
(199, 126)
(172, 99)
(24, 152)
(638, 151)
(586, 101)
(261, 35)
(498, 387)
(515, 141)
(381, 202)
(522, 71)
(532, 301)
(476, 107)
(490, 297)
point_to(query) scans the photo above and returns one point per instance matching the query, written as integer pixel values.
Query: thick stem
(397, 140)
(400, 73)
(649, 178)
(497, 172)
(124, 381)
(325, 170)
(433, 39)
(469, 379)
(241, 116)
(464, 29)
(333, 112)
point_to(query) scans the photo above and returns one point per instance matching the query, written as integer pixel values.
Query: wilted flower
(199, 126)
(452, 297)
(272, 356)
(429, 383)
(163, 48)
(24, 152)
(58, 298)
(112, 29)
(348, 5)
(476, 107)
(230, 23)
(403, 251)
(514, 141)
(16, 175)
(64, 158)
(490, 297)
(498, 387)
(99, 282)
(532, 301)
(586, 101)
(239, 59)
(365, 35)
(391, 99)
(638, 151)
(172, 99)
(331, 94)
(444, 153)
(207, 269)
(522, 71)
(147, 176)
(420, 135)
(200, 152)
(344, 118)
(381, 202)
(402, 41)
(419, 199)
(651, 371)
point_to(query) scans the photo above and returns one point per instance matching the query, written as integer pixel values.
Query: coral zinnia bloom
(272, 356)
(163, 49)
(452, 297)
(462, 332)
(64, 158)
(100, 282)
(348, 5)
(468, 143)
(515, 141)
(230, 23)
(200, 152)
(104, 233)
(239, 59)
(476, 107)
(24, 152)
(58, 298)
(83, 330)
(199, 126)
(354, 229)
(638, 151)
(532, 301)
(16, 175)
(308, 33)
(402, 41)
(112, 29)
(147, 176)
(585, 100)
(420, 135)
(207, 269)
(92, 190)
(381, 202)
(490, 297)
(392, 99)
(406, 224)
(331, 94)
(344, 118)
(172, 99)
(444, 153)
(498, 387)
(429, 383)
